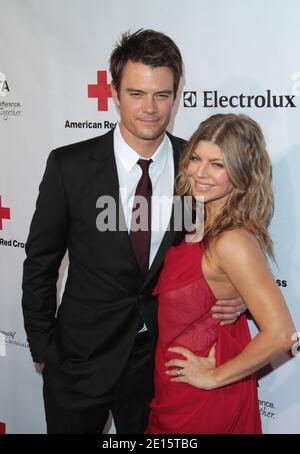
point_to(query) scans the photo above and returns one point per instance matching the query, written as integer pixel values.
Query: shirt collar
(129, 157)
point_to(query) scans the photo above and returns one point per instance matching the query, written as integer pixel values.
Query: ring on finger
(179, 372)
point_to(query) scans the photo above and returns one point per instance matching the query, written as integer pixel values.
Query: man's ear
(115, 95)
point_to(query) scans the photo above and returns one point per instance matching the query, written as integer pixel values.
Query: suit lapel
(108, 185)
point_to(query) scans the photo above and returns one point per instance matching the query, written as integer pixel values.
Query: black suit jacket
(90, 338)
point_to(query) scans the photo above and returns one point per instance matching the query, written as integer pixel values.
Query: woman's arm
(239, 256)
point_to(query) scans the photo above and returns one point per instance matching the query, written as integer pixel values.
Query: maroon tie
(141, 238)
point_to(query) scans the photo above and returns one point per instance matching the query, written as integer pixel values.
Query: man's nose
(149, 104)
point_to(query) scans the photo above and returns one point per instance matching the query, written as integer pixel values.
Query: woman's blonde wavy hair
(250, 203)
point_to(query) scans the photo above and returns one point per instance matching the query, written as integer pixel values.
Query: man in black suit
(96, 351)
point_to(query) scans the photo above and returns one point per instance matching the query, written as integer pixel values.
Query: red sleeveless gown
(184, 319)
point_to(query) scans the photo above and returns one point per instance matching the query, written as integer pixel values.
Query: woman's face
(207, 174)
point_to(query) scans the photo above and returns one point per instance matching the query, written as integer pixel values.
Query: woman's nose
(202, 170)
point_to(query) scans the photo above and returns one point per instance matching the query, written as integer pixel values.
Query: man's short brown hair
(148, 47)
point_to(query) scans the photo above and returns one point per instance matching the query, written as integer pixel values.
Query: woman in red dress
(205, 372)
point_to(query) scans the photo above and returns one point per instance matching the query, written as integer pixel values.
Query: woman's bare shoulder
(237, 242)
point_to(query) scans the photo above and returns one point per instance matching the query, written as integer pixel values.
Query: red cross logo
(2, 428)
(101, 90)
(4, 213)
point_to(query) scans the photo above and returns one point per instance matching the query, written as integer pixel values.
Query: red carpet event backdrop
(239, 56)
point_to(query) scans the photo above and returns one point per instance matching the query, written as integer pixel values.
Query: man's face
(145, 100)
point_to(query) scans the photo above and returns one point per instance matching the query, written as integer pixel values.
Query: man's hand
(40, 367)
(228, 311)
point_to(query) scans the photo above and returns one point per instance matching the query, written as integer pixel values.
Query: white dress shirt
(161, 172)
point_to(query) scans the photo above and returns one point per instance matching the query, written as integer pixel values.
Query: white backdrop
(50, 51)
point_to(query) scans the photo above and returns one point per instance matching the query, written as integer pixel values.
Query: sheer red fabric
(184, 319)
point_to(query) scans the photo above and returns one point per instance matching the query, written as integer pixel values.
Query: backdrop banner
(240, 57)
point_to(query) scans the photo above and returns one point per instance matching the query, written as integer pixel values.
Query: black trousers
(128, 401)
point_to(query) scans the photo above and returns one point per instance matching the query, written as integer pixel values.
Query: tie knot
(144, 164)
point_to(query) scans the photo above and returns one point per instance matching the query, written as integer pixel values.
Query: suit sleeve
(45, 249)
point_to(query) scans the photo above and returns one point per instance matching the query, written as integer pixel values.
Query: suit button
(141, 298)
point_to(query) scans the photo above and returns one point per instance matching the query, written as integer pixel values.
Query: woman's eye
(218, 165)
